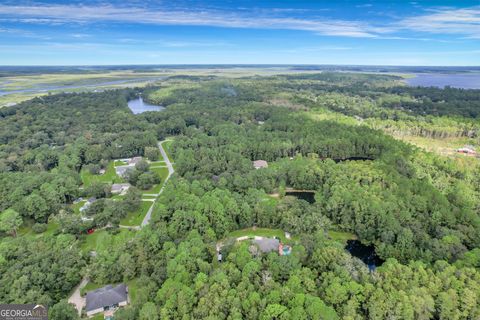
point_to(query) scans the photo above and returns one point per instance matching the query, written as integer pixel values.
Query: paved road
(169, 165)
(76, 298)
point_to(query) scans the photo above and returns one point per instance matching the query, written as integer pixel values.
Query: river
(441, 80)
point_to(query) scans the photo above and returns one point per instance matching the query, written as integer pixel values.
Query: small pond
(308, 196)
(365, 253)
(139, 106)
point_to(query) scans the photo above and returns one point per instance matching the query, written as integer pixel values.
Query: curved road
(169, 165)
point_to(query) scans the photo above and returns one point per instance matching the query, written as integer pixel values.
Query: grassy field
(76, 207)
(261, 232)
(167, 145)
(26, 230)
(119, 163)
(157, 163)
(163, 173)
(135, 218)
(341, 236)
(101, 238)
(148, 197)
(445, 146)
(110, 176)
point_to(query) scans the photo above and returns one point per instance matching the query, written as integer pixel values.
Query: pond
(308, 196)
(139, 106)
(365, 253)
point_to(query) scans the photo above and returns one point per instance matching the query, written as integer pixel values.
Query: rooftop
(260, 164)
(106, 297)
(267, 244)
(134, 160)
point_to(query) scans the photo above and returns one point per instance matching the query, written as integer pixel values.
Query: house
(133, 161)
(258, 164)
(121, 171)
(102, 172)
(266, 245)
(106, 299)
(120, 188)
(87, 204)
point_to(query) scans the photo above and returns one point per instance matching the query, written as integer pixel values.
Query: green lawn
(167, 145)
(132, 289)
(163, 173)
(157, 163)
(341, 236)
(261, 232)
(135, 218)
(110, 176)
(117, 197)
(119, 163)
(102, 238)
(76, 207)
(26, 230)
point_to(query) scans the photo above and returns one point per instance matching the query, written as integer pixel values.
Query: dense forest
(328, 133)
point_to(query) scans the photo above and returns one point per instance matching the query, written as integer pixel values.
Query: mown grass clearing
(157, 163)
(103, 239)
(167, 146)
(341, 236)
(163, 174)
(260, 232)
(76, 206)
(110, 176)
(117, 163)
(135, 218)
(26, 230)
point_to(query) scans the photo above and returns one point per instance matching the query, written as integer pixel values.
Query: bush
(94, 168)
(39, 227)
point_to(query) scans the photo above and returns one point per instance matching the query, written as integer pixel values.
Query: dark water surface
(365, 253)
(455, 80)
(308, 196)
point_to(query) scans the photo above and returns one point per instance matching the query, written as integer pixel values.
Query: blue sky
(249, 32)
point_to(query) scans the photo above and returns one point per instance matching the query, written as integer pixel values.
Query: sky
(109, 32)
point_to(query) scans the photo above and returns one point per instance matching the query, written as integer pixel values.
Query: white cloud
(82, 14)
(450, 21)
(446, 21)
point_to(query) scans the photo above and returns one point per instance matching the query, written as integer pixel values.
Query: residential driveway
(76, 298)
(169, 165)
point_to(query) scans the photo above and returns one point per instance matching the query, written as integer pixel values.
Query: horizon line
(235, 64)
